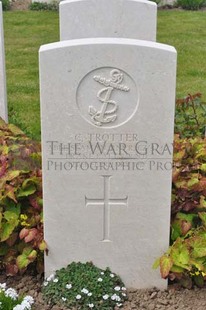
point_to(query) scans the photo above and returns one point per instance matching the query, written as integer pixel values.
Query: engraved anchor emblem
(107, 113)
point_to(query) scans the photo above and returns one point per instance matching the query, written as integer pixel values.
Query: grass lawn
(26, 31)
(186, 31)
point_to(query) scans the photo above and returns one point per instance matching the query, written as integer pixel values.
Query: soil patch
(152, 299)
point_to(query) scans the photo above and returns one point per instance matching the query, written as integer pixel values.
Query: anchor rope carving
(107, 113)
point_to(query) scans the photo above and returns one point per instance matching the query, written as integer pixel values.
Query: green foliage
(26, 31)
(156, 1)
(85, 286)
(190, 116)
(185, 260)
(10, 300)
(21, 227)
(5, 5)
(44, 6)
(191, 4)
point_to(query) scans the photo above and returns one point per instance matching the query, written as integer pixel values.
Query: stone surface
(134, 19)
(107, 109)
(3, 95)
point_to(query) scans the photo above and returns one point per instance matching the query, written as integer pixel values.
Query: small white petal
(29, 299)
(55, 280)
(78, 296)
(68, 286)
(85, 291)
(26, 305)
(111, 275)
(117, 288)
(89, 294)
(10, 292)
(105, 297)
(3, 286)
(119, 305)
(99, 280)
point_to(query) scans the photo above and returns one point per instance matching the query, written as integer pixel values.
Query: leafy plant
(185, 260)
(191, 4)
(44, 6)
(10, 300)
(21, 227)
(5, 5)
(85, 286)
(190, 116)
(156, 1)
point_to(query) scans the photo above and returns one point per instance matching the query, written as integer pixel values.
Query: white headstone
(3, 95)
(107, 108)
(134, 19)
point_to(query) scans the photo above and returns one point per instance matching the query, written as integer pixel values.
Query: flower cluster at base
(10, 300)
(86, 287)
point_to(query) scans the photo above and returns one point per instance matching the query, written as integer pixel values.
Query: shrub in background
(5, 5)
(44, 6)
(86, 287)
(190, 116)
(156, 1)
(191, 4)
(21, 227)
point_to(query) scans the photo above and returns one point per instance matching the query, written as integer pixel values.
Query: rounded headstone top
(133, 19)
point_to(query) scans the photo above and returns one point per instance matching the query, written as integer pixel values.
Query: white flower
(105, 297)
(124, 288)
(18, 307)
(99, 280)
(29, 299)
(91, 305)
(10, 292)
(102, 272)
(111, 275)
(2, 286)
(46, 283)
(123, 294)
(51, 277)
(64, 299)
(119, 305)
(115, 297)
(26, 305)
(68, 286)
(85, 291)
(89, 294)
(78, 296)
(55, 280)
(117, 288)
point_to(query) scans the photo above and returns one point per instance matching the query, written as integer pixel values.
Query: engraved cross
(106, 202)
